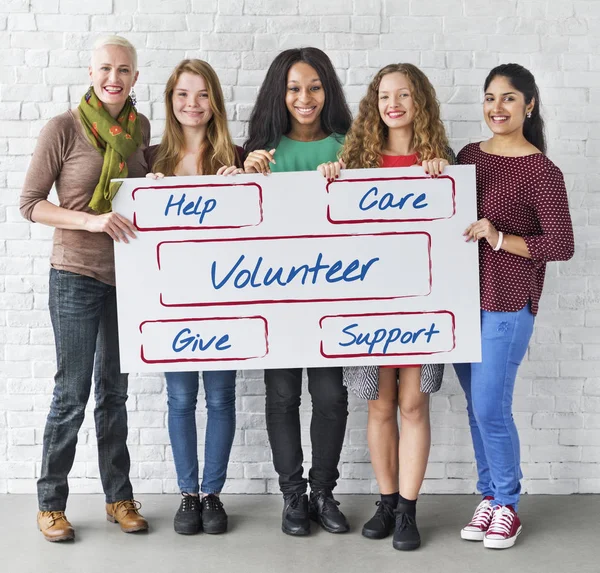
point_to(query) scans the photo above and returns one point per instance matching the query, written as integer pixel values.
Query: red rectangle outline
(200, 227)
(355, 221)
(185, 360)
(290, 301)
(380, 354)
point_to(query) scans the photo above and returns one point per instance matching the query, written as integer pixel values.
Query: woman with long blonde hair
(196, 141)
(398, 125)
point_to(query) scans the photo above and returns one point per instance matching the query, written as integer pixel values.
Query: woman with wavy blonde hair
(196, 141)
(423, 130)
(398, 125)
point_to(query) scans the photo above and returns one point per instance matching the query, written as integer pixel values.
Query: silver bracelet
(500, 241)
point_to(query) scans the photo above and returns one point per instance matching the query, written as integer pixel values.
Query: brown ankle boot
(126, 514)
(55, 526)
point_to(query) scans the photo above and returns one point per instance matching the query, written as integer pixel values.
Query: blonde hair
(218, 148)
(116, 41)
(368, 135)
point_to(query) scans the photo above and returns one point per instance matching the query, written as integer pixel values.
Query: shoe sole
(502, 543)
(299, 533)
(315, 517)
(129, 529)
(59, 539)
(472, 535)
(406, 545)
(214, 530)
(187, 531)
(372, 534)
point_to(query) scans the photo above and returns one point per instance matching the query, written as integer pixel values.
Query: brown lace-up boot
(55, 526)
(126, 514)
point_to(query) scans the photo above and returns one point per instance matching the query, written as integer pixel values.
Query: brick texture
(44, 49)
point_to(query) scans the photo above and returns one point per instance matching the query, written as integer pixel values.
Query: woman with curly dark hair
(299, 120)
(398, 125)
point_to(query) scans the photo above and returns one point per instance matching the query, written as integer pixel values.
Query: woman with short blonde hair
(81, 151)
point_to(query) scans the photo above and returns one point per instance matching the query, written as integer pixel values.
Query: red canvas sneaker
(480, 522)
(504, 529)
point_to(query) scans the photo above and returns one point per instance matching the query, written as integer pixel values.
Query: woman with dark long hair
(398, 125)
(196, 141)
(523, 223)
(299, 121)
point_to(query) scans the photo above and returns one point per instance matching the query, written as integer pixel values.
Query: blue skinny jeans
(489, 387)
(182, 397)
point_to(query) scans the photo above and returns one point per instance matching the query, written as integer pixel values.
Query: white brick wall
(43, 57)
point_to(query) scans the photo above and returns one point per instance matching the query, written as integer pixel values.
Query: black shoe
(406, 534)
(324, 510)
(382, 523)
(294, 519)
(214, 518)
(188, 520)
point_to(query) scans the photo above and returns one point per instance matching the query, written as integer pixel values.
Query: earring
(528, 115)
(88, 94)
(133, 97)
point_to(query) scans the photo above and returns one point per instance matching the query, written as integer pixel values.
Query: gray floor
(560, 535)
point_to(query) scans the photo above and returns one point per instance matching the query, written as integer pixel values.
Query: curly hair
(367, 137)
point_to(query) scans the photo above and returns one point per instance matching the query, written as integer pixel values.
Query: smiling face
(304, 96)
(191, 102)
(504, 107)
(396, 105)
(113, 76)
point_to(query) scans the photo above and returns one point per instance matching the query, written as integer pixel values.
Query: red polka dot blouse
(523, 196)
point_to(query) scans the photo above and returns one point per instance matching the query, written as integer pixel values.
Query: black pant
(328, 425)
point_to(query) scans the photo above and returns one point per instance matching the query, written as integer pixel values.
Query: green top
(292, 155)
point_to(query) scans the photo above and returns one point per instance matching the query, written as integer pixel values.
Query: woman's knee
(415, 411)
(220, 397)
(489, 414)
(383, 410)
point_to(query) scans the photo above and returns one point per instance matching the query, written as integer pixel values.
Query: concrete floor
(560, 535)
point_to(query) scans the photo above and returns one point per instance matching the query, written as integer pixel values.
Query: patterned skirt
(364, 380)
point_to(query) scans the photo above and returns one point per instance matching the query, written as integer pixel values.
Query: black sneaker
(294, 519)
(324, 510)
(382, 523)
(406, 534)
(188, 520)
(214, 518)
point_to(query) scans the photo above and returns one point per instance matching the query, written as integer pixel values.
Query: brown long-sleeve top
(64, 155)
(523, 196)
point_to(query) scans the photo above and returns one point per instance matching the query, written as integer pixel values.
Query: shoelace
(128, 505)
(190, 503)
(211, 502)
(55, 516)
(483, 514)
(502, 521)
(294, 500)
(403, 520)
(384, 509)
(329, 503)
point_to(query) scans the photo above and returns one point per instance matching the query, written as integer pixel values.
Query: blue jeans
(182, 396)
(84, 318)
(489, 387)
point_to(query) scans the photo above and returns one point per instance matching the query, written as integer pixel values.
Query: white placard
(289, 270)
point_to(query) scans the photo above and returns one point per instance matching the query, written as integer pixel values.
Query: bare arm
(117, 226)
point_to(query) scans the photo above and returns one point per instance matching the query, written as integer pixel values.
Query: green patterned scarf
(115, 139)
